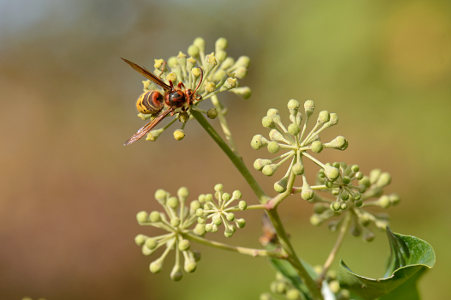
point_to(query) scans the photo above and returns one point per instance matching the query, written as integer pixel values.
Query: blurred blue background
(69, 190)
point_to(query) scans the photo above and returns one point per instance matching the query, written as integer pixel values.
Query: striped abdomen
(150, 102)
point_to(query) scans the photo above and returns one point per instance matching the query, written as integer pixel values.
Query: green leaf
(410, 257)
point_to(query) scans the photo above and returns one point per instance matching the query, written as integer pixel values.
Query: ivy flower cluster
(184, 223)
(296, 144)
(220, 73)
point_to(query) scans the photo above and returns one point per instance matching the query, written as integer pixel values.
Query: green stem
(223, 121)
(236, 160)
(343, 229)
(243, 250)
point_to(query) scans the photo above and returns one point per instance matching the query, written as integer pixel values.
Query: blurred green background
(69, 190)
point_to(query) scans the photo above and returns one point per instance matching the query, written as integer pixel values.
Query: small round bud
(155, 266)
(236, 194)
(394, 199)
(244, 91)
(209, 227)
(258, 141)
(335, 206)
(269, 170)
(211, 60)
(221, 44)
(343, 206)
(374, 175)
(275, 135)
(243, 61)
(281, 185)
(219, 76)
(230, 83)
(200, 43)
(346, 180)
(273, 147)
(272, 112)
(240, 223)
(151, 243)
(384, 179)
(190, 266)
(199, 212)
(182, 192)
(160, 195)
(229, 232)
(142, 217)
(292, 294)
(355, 168)
(184, 245)
(281, 287)
(315, 220)
(190, 63)
(176, 273)
(323, 117)
(298, 168)
(171, 77)
(268, 122)
(339, 143)
(240, 72)
(309, 107)
(140, 239)
(172, 62)
(154, 134)
(226, 197)
(196, 72)
(307, 192)
(317, 146)
(154, 217)
(199, 229)
(334, 286)
(384, 201)
(319, 208)
(230, 216)
(293, 105)
(212, 113)
(265, 296)
(293, 129)
(344, 195)
(219, 187)
(193, 51)
(216, 219)
(331, 172)
(333, 119)
(259, 163)
(221, 55)
(358, 175)
(242, 205)
(210, 87)
(175, 222)
(172, 202)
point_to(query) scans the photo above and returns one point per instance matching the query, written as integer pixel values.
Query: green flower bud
(176, 273)
(151, 243)
(269, 170)
(193, 51)
(317, 146)
(275, 135)
(172, 62)
(319, 208)
(359, 175)
(184, 245)
(258, 141)
(272, 112)
(281, 185)
(315, 220)
(242, 205)
(196, 72)
(190, 63)
(281, 287)
(298, 168)
(333, 119)
(240, 223)
(236, 194)
(323, 117)
(240, 72)
(229, 232)
(190, 266)
(374, 175)
(219, 187)
(154, 217)
(334, 286)
(227, 63)
(335, 206)
(384, 180)
(219, 76)
(160, 195)
(175, 222)
(182, 192)
(294, 129)
(346, 180)
(199, 229)
(344, 195)
(181, 58)
(265, 296)
(339, 143)
(344, 294)
(210, 87)
(221, 55)
(156, 266)
(309, 107)
(384, 201)
(209, 227)
(200, 43)
(220, 44)
(273, 147)
(394, 199)
(343, 206)
(331, 172)
(268, 122)
(172, 202)
(211, 60)
(216, 219)
(230, 83)
(140, 239)
(154, 134)
(171, 77)
(199, 212)
(292, 294)
(142, 217)
(230, 216)
(243, 61)
(307, 192)
(293, 105)
(259, 163)
(244, 91)
(158, 63)
(146, 251)
(212, 113)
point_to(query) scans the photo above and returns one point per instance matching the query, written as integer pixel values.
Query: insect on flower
(154, 103)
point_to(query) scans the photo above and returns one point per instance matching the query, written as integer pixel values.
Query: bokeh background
(69, 190)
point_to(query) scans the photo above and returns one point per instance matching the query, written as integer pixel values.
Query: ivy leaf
(410, 257)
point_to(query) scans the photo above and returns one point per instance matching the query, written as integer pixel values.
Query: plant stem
(343, 229)
(236, 160)
(243, 250)
(272, 213)
(223, 121)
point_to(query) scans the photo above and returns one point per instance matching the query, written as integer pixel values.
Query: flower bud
(212, 113)
(172, 202)
(154, 134)
(151, 243)
(281, 185)
(219, 76)
(219, 187)
(196, 72)
(293, 105)
(158, 63)
(230, 83)
(193, 51)
(259, 163)
(298, 168)
(315, 220)
(339, 143)
(156, 266)
(175, 222)
(240, 72)
(292, 294)
(142, 217)
(269, 170)
(273, 147)
(182, 192)
(171, 77)
(323, 117)
(190, 266)
(176, 273)
(374, 175)
(332, 173)
(317, 146)
(383, 180)
(384, 201)
(243, 61)
(334, 286)
(275, 135)
(293, 129)
(200, 43)
(220, 44)
(268, 122)
(221, 55)
(199, 229)
(154, 217)
(211, 60)
(242, 205)
(236, 194)
(244, 91)
(210, 87)
(172, 62)
(394, 199)
(258, 141)
(184, 245)
(309, 107)
(240, 223)
(333, 119)
(160, 195)
(227, 63)
(307, 192)
(140, 239)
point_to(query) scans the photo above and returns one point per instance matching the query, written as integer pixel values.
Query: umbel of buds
(181, 220)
